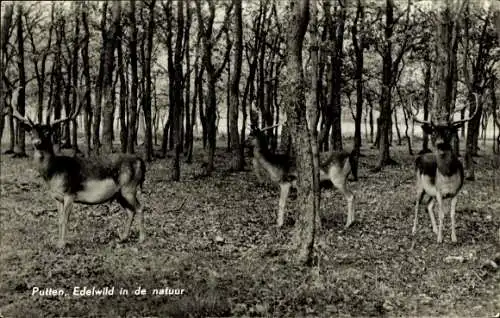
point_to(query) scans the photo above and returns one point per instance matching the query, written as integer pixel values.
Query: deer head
(442, 133)
(41, 134)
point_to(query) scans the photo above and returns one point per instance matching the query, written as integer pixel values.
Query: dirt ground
(215, 238)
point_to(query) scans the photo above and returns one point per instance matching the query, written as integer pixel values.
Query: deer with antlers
(281, 170)
(87, 181)
(440, 174)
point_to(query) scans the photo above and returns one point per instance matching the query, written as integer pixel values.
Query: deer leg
(341, 184)
(64, 213)
(60, 210)
(128, 201)
(420, 195)
(452, 214)
(258, 171)
(284, 191)
(439, 199)
(430, 208)
(140, 214)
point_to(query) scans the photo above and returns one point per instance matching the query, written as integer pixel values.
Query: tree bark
(20, 149)
(147, 75)
(384, 121)
(131, 136)
(86, 74)
(213, 74)
(109, 66)
(427, 87)
(123, 93)
(237, 153)
(358, 44)
(295, 107)
(6, 24)
(99, 85)
(74, 76)
(177, 93)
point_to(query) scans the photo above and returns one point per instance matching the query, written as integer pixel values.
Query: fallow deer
(439, 174)
(87, 181)
(281, 170)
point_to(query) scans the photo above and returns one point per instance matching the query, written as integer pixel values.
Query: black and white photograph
(250, 158)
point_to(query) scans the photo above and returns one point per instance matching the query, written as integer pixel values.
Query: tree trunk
(237, 153)
(4, 40)
(123, 94)
(20, 149)
(358, 75)
(384, 125)
(213, 75)
(295, 107)
(427, 86)
(312, 109)
(99, 85)
(132, 136)
(107, 102)
(396, 124)
(187, 98)
(74, 76)
(86, 74)
(337, 62)
(178, 104)
(147, 75)
(334, 107)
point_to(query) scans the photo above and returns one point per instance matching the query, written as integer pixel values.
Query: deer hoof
(122, 237)
(61, 245)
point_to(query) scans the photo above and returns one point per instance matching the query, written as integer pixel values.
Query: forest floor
(223, 249)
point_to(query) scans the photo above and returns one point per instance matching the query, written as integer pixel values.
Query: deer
(88, 181)
(439, 174)
(281, 170)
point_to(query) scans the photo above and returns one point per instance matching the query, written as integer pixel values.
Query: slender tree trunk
(74, 76)
(312, 109)
(20, 149)
(187, 99)
(384, 122)
(295, 107)
(4, 40)
(396, 124)
(427, 86)
(177, 93)
(86, 74)
(108, 87)
(147, 73)
(237, 153)
(123, 96)
(99, 85)
(132, 136)
(336, 137)
(358, 51)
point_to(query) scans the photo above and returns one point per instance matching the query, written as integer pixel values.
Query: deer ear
(427, 128)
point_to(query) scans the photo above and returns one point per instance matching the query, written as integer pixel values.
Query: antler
(414, 115)
(23, 118)
(459, 122)
(75, 112)
(270, 127)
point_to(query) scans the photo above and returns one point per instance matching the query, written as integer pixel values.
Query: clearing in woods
(222, 248)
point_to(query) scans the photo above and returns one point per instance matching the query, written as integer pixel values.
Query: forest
(220, 110)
